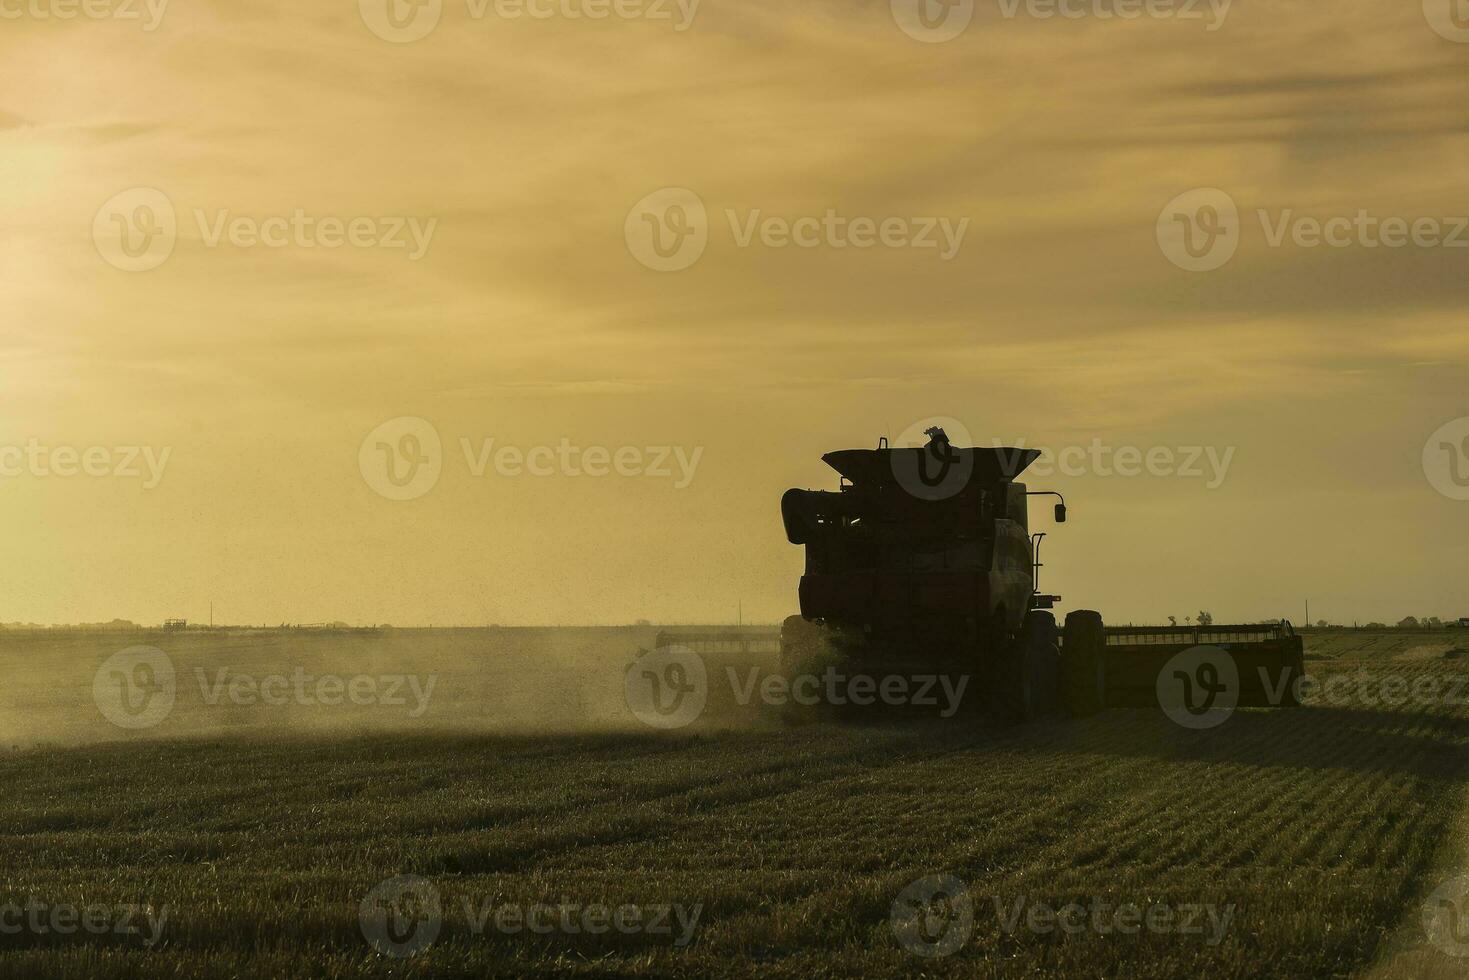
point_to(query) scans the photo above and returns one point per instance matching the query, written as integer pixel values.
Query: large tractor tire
(1029, 669)
(1084, 664)
(1039, 635)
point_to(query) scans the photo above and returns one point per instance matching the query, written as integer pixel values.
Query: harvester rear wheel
(1084, 663)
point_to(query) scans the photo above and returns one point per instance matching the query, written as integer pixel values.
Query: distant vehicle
(1463, 622)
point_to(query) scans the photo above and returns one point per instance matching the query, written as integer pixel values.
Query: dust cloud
(74, 686)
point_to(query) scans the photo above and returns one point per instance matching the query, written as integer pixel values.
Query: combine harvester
(923, 562)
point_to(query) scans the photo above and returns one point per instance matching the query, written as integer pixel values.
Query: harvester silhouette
(922, 561)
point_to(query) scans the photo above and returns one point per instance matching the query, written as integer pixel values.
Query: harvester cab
(922, 560)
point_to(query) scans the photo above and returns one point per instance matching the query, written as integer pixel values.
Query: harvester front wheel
(1028, 669)
(1084, 663)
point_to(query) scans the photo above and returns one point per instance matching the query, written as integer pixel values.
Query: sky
(507, 312)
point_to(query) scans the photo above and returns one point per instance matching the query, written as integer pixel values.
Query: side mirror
(1060, 513)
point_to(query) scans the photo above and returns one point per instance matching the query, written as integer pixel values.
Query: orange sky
(520, 148)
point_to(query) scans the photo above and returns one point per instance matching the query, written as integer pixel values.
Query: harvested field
(1281, 843)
